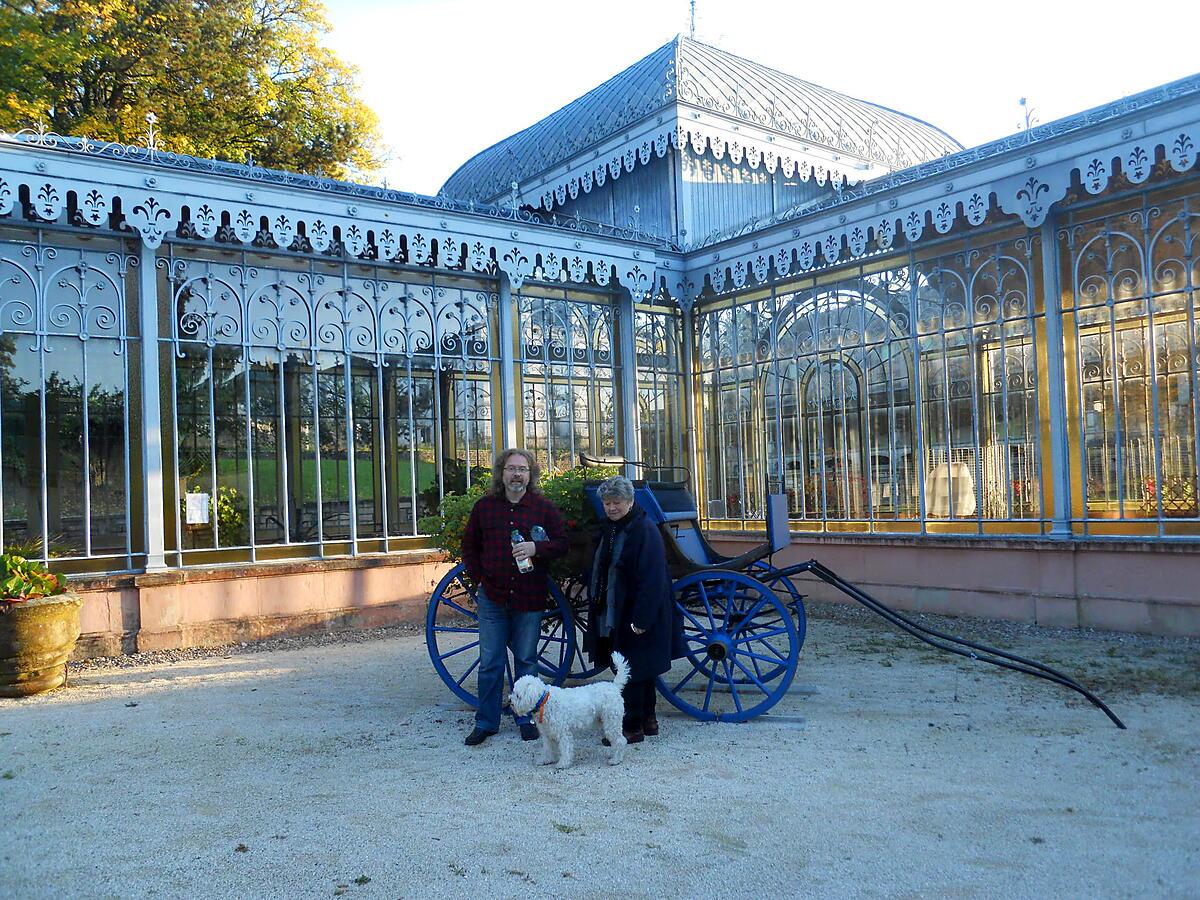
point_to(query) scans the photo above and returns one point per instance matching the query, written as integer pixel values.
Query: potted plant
(39, 624)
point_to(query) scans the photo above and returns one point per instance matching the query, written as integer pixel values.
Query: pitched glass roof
(690, 73)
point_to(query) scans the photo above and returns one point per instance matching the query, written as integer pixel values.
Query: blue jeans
(501, 630)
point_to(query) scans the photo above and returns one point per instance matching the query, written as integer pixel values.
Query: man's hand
(635, 629)
(524, 550)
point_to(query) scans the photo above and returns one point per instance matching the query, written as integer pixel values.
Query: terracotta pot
(36, 638)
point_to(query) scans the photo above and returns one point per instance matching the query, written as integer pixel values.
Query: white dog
(560, 712)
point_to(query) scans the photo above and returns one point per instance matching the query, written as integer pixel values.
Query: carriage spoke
(773, 660)
(690, 675)
(702, 593)
(754, 662)
(754, 679)
(737, 701)
(708, 690)
(749, 616)
(760, 636)
(462, 609)
(466, 674)
(730, 597)
(450, 629)
(458, 650)
(695, 621)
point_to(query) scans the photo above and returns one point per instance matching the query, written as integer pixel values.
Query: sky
(448, 78)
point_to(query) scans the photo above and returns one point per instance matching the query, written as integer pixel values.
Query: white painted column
(506, 316)
(152, 449)
(688, 339)
(1056, 385)
(630, 436)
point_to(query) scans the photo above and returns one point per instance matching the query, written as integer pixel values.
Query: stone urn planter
(36, 639)
(39, 624)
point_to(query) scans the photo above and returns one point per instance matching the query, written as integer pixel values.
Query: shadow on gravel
(1107, 662)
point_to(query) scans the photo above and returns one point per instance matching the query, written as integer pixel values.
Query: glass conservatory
(702, 264)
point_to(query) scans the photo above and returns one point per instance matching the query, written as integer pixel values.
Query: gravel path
(334, 766)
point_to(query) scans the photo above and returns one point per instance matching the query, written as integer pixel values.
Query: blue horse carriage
(743, 617)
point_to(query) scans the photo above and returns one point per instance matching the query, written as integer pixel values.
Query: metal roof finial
(151, 133)
(1029, 113)
(692, 19)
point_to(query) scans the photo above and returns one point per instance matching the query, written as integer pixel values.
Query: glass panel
(660, 390)
(813, 391)
(568, 373)
(63, 380)
(363, 403)
(1133, 306)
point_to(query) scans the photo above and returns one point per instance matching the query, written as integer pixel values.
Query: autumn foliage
(224, 79)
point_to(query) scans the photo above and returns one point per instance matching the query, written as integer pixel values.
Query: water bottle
(523, 565)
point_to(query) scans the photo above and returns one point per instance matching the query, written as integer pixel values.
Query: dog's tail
(621, 664)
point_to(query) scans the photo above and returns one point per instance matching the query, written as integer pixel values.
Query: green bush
(228, 507)
(564, 490)
(447, 529)
(27, 579)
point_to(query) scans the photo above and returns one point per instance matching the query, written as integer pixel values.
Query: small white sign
(197, 509)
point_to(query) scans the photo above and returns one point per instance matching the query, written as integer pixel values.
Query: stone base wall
(221, 605)
(1123, 586)
(1149, 587)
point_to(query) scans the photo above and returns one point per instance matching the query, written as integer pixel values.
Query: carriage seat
(672, 506)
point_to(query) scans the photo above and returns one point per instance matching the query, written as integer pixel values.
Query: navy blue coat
(643, 598)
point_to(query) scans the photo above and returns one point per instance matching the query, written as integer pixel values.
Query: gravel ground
(334, 766)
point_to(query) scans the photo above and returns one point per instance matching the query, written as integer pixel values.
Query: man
(510, 601)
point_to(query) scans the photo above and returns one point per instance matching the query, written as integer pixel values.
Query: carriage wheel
(742, 648)
(452, 636)
(575, 592)
(767, 620)
(785, 589)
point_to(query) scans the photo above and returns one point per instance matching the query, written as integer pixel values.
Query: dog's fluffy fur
(571, 710)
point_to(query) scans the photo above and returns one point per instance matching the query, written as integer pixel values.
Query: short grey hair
(616, 488)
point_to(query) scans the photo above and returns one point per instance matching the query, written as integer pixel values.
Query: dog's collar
(540, 709)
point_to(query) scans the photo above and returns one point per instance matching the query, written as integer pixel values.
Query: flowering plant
(24, 579)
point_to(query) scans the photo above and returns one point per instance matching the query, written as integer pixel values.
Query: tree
(225, 79)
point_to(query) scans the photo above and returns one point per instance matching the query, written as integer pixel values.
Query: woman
(630, 607)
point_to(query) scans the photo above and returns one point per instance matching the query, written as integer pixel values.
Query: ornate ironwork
(64, 374)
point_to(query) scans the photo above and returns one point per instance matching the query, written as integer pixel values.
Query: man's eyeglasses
(524, 469)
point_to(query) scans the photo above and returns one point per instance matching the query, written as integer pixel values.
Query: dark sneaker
(529, 732)
(477, 737)
(650, 726)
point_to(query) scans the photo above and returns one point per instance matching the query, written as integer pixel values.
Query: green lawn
(335, 476)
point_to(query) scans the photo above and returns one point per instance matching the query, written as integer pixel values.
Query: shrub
(228, 507)
(564, 490)
(447, 529)
(27, 579)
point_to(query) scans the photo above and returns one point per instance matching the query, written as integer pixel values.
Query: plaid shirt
(487, 549)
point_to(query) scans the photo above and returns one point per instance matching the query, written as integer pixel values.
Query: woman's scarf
(603, 582)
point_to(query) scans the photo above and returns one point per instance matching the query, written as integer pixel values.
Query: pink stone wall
(1123, 586)
(210, 607)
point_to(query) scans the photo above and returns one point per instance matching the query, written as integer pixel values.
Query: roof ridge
(688, 71)
(760, 66)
